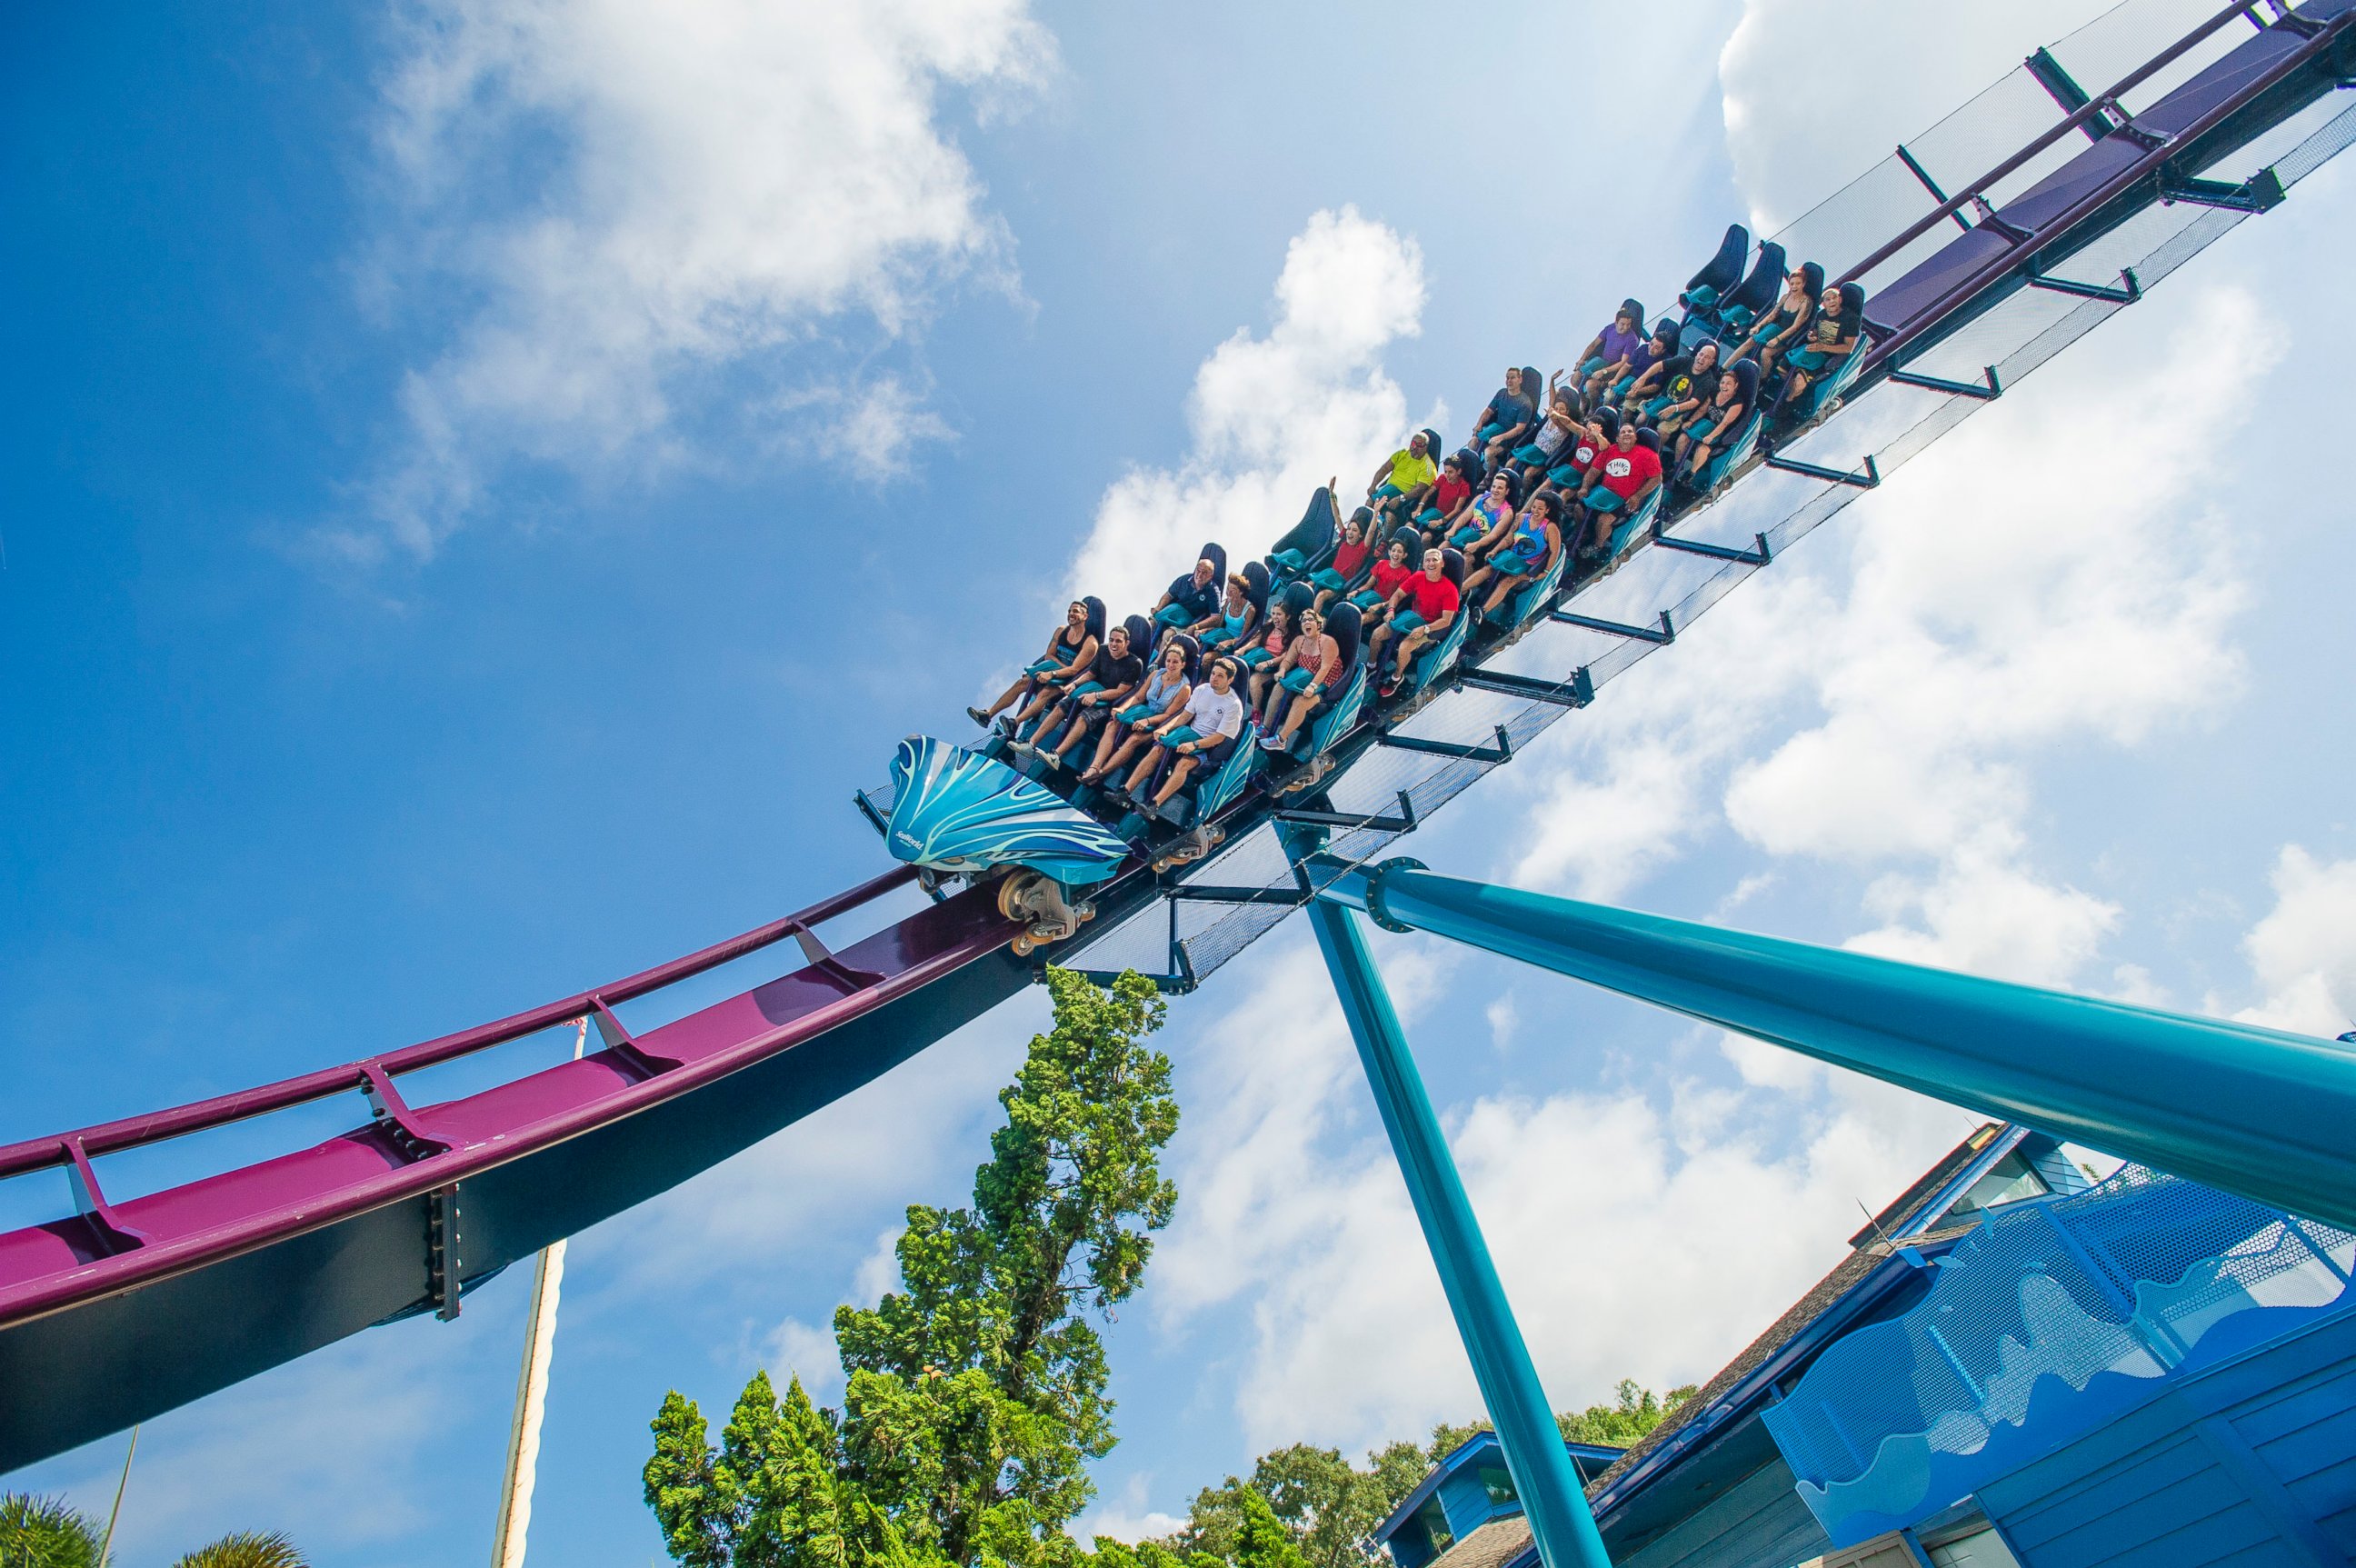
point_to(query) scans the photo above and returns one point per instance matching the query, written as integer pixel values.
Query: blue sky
(488, 479)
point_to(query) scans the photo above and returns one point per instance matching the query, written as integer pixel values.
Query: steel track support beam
(1501, 752)
(2128, 291)
(1576, 691)
(1989, 388)
(1864, 479)
(1551, 1495)
(2242, 1109)
(1757, 555)
(1661, 635)
(2262, 192)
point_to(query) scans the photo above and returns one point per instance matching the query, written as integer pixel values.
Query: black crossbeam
(1189, 893)
(1403, 822)
(1501, 752)
(2126, 292)
(2262, 192)
(1987, 389)
(1663, 634)
(1576, 691)
(1757, 555)
(1865, 479)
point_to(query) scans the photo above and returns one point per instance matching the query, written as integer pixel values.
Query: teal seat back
(1337, 719)
(1624, 537)
(1434, 661)
(1533, 599)
(1244, 759)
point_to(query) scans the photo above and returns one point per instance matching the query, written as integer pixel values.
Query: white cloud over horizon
(641, 212)
(1271, 417)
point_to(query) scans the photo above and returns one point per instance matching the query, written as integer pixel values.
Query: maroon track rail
(197, 1116)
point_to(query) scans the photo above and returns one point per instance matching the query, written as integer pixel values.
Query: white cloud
(2304, 951)
(1126, 1518)
(1640, 1233)
(1272, 417)
(1898, 65)
(1504, 1015)
(634, 205)
(794, 1348)
(1985, 912)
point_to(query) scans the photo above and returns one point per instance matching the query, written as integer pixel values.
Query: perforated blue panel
(2051, 1316)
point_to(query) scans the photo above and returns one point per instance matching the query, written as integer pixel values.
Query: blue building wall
(2252, 1462)
(1758, 1522)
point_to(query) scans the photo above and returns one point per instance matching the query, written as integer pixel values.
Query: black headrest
(1217, 554)
(1746, 376)
(1720, 271)
(1140, 636)
(1649, 438)
(1632, 308)
(1758, 291)
(1194, 654)
(1342, 625)
(1432, 445)
(1474, 469)
(1665, 332)
(1608, 420)
(1452, 567)
(1412, 537)
(1533, 385)
(1298, 596)
(1320, 525)
(1852, 299)
(1256, 584)
(1814, 276)
(1096, 617)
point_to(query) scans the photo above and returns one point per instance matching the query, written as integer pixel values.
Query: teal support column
(1552, 1498)
(2257, 1112)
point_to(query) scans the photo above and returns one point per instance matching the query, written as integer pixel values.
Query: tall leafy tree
(976, 1394)
(1327, 1505)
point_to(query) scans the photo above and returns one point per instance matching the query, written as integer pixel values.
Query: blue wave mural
(953, 810)
(2052, 1317)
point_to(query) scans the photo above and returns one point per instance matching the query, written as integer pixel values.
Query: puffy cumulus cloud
(2093, 602)
(1628, 787)
(638, 207)
(1899, 67)
(2304, 951)
(1127, 1518)
(1271, 417)
(1987, 912)
(798, 1349)
(1641, 1232)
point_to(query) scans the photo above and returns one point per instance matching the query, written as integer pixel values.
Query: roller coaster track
(130, 1307)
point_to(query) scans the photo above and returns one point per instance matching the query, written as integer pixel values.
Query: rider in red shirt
(1420, 612)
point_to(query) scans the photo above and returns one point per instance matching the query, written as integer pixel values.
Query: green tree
(1617, 1425)
(45, 1532)
(976, 1396)
(246, 1549)
(1327, 1505)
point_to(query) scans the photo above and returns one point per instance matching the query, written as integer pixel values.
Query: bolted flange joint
(1375, 909)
